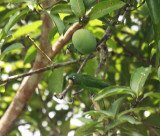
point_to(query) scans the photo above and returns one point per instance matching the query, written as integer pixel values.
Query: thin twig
(96, 105)
(80, 91)
(61, 96)
(39, 49)
(84, 63)
(40, 70)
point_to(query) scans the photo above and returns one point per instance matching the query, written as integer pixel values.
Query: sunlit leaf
(78, 7)
(26, 29)
(138, 79)
(30, 55)
(61, 8)
(14, 19)
(55, 80)
(11, 48)
(105, 7)
(70, 19)
(58, 22)
(113, 90)
(10, 13)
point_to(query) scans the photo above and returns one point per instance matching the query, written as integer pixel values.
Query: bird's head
(70, 49)
(74, 78)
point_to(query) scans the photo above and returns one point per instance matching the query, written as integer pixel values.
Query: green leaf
(108, 114)
(152, 94)
(112, 125)
(85, 120)
(138, 78)
(78, 7)
(70, 19)
(153, 6)
(103, 8)
(11, 48)
(58, 22)
(121, 120)
(128, 119)
(55, 80)
(131, 133)
(61, 8)
(91, 70)
(26, 29)
(113, 90)
(89, 3)
(30, 55)
(86, 129)
(52, 34)
(114, 109)
(9, 14)
(134, 110)
(14, 19)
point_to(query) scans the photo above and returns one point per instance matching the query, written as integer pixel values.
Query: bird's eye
(74, 77)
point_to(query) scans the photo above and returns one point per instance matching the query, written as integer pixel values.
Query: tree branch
(40, 70)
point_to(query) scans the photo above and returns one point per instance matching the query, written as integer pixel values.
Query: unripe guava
(84, 41)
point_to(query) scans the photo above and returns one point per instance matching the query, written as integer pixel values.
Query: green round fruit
(84, 41)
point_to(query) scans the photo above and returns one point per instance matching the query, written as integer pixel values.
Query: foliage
(128, 107)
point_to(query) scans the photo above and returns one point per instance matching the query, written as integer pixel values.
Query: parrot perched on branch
(86, 82)
(71, 49)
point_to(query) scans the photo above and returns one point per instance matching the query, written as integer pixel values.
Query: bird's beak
(70, 82)
(67, 51)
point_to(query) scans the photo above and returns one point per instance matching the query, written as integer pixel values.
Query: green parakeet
(71, 49)
(86, 82)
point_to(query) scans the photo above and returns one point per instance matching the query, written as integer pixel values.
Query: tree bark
(30, 83)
